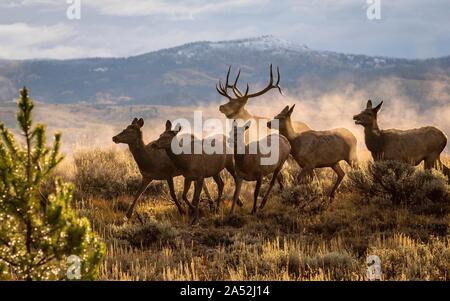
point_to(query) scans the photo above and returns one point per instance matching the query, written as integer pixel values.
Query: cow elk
(196, 166)
(248, 165)
(408, 146)
(235, 108)
(318, 149)
(153, 163)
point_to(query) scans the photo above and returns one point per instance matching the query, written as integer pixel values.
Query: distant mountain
(188, 74)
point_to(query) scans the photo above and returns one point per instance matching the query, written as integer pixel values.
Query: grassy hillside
(300, 235)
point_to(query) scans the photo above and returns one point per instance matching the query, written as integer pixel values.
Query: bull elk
(197, 166)
(248, 164)
(317, 149)
(408, 146)
(235, 108)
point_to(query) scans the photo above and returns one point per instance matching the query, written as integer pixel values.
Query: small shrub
(308, 197)
(105, 173)
(215, 237)
(402, 184)
(145, 235)
(335, 264)
(403, 258)
(233, 220)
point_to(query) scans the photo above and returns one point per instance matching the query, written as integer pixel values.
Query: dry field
(398, 213)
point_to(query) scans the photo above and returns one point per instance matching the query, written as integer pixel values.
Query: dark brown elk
(408, 146)
(317, 149)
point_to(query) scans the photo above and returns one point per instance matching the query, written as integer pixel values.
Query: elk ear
(377, 108)
(177, 128)
(140, 122)
(291, 110)
(285, 110)
(135, 120)
(168, 125)
(369, 104)
(247, 125)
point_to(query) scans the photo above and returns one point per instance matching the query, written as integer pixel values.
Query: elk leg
(431, 162)
(174, 196)
(304, 173)
(280, 180)
(208, 195)
(237, 192)
(340, 173)
(187, 186)
(196, 199)
(256, 194)
(144, 184)
(232, 173)
(220, 186)
(272, 182)
(445, 169)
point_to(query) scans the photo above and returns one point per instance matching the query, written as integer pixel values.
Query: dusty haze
(87, 126)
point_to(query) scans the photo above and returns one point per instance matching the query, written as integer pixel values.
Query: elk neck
(238, 157)
(373, 138)
(288, 131)
(139, 152)
(176, 159)
(244, 115)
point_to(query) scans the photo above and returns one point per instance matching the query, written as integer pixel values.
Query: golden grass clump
(106, 174)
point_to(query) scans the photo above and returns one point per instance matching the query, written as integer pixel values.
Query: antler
(223, 89)
(270, 85)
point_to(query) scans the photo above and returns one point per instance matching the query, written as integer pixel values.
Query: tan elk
(153, 164)
(408, 146)
(197, 166)
(235, 108)
(317, 149)
(249, 166)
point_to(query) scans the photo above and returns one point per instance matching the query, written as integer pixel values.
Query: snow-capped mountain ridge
(188, 73)
(262, 43)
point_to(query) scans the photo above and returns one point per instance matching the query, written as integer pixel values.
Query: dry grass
(300, 235)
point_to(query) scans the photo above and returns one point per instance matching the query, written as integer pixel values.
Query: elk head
(283, 118)
(132, 134)
(236, 102)
(368, 117)
(165, 139)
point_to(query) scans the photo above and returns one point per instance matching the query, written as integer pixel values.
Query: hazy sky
(41, 29)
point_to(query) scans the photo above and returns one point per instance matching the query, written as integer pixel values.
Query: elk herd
(309, 148)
